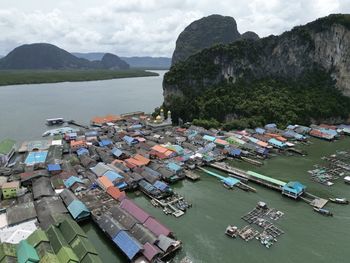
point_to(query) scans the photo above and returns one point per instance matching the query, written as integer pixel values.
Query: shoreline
(24, 77)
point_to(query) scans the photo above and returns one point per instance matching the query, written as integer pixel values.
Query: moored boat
(323, 211)
(343, 201)
(231, 231)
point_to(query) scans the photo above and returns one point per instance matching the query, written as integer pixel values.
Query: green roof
(91, 258)
(43, 248)
(70, 229)
(56, 238)
(6, 146)
(82, 246)
(49, 258)
(66, 255)
(7, 249)
(26, 253)
(36, 237)
(266, 178)
(8, 259)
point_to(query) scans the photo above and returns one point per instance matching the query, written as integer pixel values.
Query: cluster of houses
(63, 174)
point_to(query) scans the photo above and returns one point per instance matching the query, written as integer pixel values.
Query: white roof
(56, 142)
(17, 233)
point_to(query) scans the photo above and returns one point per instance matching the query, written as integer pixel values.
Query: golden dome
(158, 118)
(161, 110)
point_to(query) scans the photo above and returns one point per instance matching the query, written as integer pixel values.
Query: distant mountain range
(134, 62)
(47, 56)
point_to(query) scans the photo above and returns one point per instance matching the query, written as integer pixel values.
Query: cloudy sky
(143, 27)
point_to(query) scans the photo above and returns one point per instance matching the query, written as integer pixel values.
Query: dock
(192, 175)
(73, 122)
(268, 182)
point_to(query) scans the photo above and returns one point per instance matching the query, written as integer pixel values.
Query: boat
(323, 211)
(347, 179)
(231, 231)
(54, 121)
(343, 201)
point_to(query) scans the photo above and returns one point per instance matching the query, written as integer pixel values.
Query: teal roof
(78, 209)
(266, 178)
(26, 253)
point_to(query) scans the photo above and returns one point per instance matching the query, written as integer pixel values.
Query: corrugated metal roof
(67, 196)
(156, 227)
(150, 251)
(42, 187)
(127, 244)
(20, 213)
(72, 180)
(78, 209)
(91, 258)
(67, 255)
(165, 243)
(49, 258)
(266, 178)
(111, 175)
(82, 246)
(36, 237)
(143, 234)
(56, 238)
(134, 210)
(8, 249)
(123, 217)
(70, 230)
(26, 253)
(109, 225)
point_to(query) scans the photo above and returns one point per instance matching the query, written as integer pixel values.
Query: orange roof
(141, 158)
(222, 142)
(280, 138)
(77, 143)
(159, 148)
(105, 182)
(115, 192)
(107, 118)
(262, 144)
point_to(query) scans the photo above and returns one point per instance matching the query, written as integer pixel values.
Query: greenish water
(309, 237)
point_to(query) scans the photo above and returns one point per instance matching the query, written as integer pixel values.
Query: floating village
(79, 172)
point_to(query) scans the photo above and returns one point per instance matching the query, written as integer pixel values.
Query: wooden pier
(73, 122)
(192, 175)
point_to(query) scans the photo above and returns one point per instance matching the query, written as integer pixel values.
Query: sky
(143, 27)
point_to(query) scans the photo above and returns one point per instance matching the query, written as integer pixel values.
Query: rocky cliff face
(206, 32)
(320, 45)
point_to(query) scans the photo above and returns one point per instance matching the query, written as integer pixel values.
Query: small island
(46, 63)
(14, 77)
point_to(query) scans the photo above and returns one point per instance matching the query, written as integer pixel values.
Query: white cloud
(143, 27)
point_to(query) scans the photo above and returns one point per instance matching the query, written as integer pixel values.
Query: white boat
(347, 179)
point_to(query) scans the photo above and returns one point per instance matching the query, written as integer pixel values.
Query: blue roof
(209, 138)
(82, 151)
(105, 142)
(53, 167)
(271, 126)
(294, 187)
(72, 134)
(260, 130)
(121, 185)
(174, 167)
(91, 133)
(72, 180)
(127, 244)
(135, 126)
(26, 253)
(129, 140)
(235, 152)
(112, 175)
(230, 181)
(78, 209)
(161, 185)
(117, 152)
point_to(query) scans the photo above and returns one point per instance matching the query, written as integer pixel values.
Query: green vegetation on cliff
(13, 77)
(251, 104)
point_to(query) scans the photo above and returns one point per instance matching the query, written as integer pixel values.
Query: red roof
(150, 251)
(105, 182)
(134, 210)
(156, 227)
(137, 160)
(115, 192)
